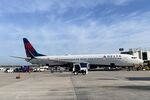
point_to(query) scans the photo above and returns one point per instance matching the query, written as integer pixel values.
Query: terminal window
(144, 55)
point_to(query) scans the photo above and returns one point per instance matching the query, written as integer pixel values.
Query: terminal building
(141, 53)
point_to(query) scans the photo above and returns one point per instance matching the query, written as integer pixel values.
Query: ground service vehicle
(80, 68)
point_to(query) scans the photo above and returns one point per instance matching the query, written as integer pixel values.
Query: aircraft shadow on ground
(138, 78)
(106, 79)
(136, 87)
(131, 87)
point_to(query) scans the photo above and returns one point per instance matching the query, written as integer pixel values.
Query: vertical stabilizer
(30, 51)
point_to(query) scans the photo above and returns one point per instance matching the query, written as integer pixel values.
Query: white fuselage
(95, 59)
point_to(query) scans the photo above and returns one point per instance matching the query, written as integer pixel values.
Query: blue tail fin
(30, 51)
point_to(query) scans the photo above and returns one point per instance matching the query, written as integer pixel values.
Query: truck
(80, 68)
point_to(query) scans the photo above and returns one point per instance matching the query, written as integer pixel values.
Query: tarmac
(97, 85)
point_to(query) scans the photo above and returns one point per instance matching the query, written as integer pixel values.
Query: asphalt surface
(97, 85)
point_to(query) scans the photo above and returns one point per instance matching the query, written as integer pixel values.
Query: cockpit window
(133, 57)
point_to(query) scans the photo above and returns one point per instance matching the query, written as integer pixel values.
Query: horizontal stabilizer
(26, 58)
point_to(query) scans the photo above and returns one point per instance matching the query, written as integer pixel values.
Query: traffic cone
(18, 76)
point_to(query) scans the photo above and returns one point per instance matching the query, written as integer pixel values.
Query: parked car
(2, 69)
(23, 69)
(9, 70)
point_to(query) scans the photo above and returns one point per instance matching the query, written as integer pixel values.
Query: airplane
(79, 62)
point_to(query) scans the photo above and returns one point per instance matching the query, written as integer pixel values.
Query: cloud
(121, 2)
(23, 6)
(60, 6)
(74, 27)
(89, 37)
(91, 34)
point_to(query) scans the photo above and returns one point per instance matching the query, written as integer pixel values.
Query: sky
(58, 27)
